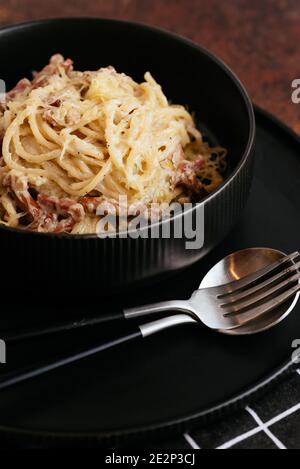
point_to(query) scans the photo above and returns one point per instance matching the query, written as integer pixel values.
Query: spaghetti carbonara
(73, 142)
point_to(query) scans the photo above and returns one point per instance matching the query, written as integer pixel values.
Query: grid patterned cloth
(273, 422)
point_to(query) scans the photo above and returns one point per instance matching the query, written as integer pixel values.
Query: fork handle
(141, 332)
(64, 326)
(61, 326)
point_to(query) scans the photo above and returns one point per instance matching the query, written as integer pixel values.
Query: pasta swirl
(72, 141)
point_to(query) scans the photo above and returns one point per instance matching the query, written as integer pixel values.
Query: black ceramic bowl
(190, 76)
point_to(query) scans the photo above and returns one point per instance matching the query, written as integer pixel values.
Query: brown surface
(259, 39)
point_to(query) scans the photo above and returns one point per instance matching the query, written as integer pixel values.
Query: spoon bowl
(237, 266)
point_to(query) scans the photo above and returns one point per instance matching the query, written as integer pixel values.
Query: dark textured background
(259, 39)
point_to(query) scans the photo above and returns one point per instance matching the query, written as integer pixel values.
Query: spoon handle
(143, 331)
(147, 310)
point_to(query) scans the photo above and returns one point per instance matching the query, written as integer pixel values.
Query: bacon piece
(63, 207)
(191, 168)
(21, 86)
(186, 177)
(54, 101)
(53, 68)
(71, 118)
(72, 212)
(48, 214)
(19, 186)
(48, 117)
(41, 78)
(2, 133)
(92, 204)
(30, 205)
(16, 182)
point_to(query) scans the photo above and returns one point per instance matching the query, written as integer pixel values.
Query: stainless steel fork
(220, 308)
(237, 303)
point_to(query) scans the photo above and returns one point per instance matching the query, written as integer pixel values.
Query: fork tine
(237, 285)
(260, 286)
(254, 313)
(237, 307)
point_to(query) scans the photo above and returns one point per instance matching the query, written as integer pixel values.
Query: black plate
(181, 377)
